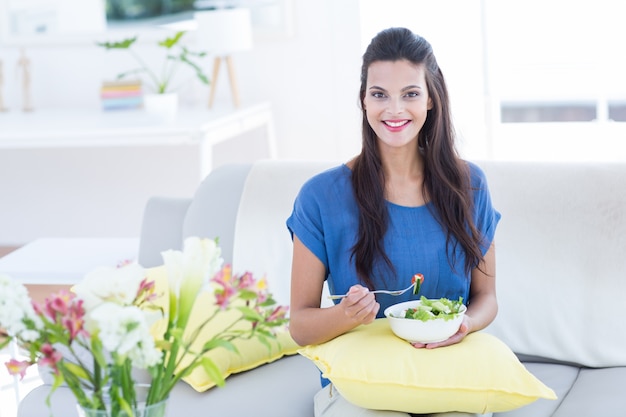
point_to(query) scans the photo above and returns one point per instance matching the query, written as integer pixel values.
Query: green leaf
(264, 341)
(131, 72)
(77, 370)
(250, 314)
(170, 42)
(200, 54)
(124, 44)
(247, 295)
(215, 343)
(199, 73)
(97, 350)
(5, 343)
(213, 371)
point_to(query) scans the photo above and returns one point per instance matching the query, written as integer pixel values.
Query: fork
(392, 292)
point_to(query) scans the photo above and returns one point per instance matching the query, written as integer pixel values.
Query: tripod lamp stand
(222, 32)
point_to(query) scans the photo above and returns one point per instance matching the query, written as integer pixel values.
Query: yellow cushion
(251, 352)
(374, 369)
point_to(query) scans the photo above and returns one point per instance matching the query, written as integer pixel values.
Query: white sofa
(561, 276)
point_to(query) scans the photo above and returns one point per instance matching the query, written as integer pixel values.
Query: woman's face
(396, 101)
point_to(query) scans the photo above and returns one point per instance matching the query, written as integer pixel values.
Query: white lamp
(222, 32)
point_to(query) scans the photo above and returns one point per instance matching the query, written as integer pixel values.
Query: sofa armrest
(161, 228)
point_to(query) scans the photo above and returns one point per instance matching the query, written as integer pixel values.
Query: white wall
(311, 80)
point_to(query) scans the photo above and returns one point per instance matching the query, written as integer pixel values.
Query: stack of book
(119, 95)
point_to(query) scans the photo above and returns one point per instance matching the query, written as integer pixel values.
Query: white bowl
(413, 330)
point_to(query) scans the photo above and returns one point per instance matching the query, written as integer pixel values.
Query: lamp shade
(223, 31)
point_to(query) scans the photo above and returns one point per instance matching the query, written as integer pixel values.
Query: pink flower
(74, 322)
(50, 356)
(39, 310)
(147, 291)
(245, 281)
(224, 279)
(16, 367)
(224, 276)
(65, 309)
(223, 296)
(124, 262)
(261, 290)
(279, 313)
(58, 304)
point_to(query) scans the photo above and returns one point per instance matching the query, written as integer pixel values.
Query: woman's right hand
(360, 305)
(309, 323)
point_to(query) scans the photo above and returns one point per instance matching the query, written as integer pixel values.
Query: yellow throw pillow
(252, 353)
(374, 369)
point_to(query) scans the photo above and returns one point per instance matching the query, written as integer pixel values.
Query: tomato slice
(417, 281)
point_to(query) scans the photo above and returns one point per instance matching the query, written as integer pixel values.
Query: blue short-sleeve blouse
(325, 219)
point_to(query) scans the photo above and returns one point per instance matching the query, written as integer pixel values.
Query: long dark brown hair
(446, 176)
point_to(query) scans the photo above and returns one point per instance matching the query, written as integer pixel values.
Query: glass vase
(142, 410)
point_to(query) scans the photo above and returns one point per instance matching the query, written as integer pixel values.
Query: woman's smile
(396, 125)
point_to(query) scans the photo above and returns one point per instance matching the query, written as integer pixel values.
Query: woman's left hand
(455, 338)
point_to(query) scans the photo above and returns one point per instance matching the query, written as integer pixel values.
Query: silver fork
(392, 292)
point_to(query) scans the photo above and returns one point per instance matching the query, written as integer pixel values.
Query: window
(137, 10)
(547, 112)
(270, 18)
(528, 79)
(75, 21)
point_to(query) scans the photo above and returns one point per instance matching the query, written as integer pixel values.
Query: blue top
(325, 218)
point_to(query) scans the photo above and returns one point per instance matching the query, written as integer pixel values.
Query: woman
(406, 204)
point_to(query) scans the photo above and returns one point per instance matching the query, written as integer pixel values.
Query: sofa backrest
(213, 209)
(263, 244)
(561, 259)
(560, 249)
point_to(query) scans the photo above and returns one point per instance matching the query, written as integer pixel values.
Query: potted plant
(159, 82)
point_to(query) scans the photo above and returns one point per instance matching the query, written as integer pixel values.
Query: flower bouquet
(95, 338)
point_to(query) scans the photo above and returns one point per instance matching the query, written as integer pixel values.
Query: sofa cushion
(374, 369)
(560, 249)
(284, 388)
(559, 377)
(597, 392)
(251, 352)
(582, 392)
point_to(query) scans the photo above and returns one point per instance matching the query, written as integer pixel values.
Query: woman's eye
(378, 94)
(412, 94)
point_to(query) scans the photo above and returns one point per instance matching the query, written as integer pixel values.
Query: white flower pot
(162, 105)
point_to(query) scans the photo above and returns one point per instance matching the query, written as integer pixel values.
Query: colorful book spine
(120, 95)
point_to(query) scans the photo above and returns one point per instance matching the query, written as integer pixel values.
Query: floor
(8, 394)
(6, 249)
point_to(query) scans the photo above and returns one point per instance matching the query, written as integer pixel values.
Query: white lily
(110, 284)
(189, 272)
(125, 331)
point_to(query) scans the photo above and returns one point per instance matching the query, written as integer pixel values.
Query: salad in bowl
(426, 320)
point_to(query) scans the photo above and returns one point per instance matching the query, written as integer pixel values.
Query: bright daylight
(294, 208)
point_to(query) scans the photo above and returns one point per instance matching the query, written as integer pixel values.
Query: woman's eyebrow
(408, 87)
